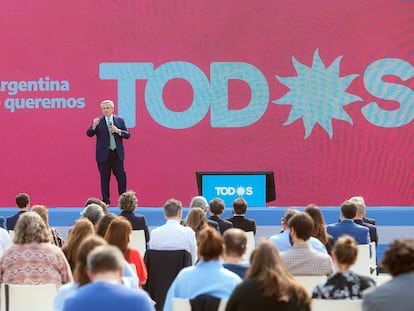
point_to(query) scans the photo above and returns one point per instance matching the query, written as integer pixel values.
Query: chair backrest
(27, 297)
(363, 262)
(163, 266)
(251, 244)
(138, 241)
(181, 304)
(336, 305)
(310, 281)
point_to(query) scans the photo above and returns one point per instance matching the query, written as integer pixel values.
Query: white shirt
(174, 236)
(5, 241)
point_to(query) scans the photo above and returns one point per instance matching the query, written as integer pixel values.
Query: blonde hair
(31, 228)
(196, 219)
(43, 212)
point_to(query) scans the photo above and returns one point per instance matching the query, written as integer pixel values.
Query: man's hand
(95, 123)
(115, 130)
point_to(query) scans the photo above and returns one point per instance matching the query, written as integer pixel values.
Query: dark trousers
(116, 166)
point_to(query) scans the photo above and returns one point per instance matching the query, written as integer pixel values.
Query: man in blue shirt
(105, 268)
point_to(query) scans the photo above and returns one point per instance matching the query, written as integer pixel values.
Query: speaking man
(110, 130)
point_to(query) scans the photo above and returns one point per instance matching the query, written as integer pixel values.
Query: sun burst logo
(240, 191)
(317, 94)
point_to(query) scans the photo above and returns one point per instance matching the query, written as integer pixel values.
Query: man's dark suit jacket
(12, 220)
(138, 222)
(102, 138)
(223, 224)
(243, 223)
(372, 230)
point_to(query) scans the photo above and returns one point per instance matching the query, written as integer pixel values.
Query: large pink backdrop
(322, 66)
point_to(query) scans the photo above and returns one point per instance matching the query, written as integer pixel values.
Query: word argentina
(45, 84)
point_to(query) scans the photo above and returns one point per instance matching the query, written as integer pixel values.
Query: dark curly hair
(399, 257)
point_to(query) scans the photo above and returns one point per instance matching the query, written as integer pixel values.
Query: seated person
(344, 284)
(235, 246)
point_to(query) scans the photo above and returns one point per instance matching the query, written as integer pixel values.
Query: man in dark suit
(238, 220)
(110, 130)
(217, 209)
(359, 220)
(347, 225)
(127, 203)
(23, 204)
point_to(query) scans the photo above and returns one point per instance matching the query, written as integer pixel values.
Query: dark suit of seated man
(347, 225)
(239, 220)
(217, 209)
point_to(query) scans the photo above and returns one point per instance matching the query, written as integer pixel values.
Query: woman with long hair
(32, 259)
(118, 234)
(208, 276)
(268, 285)
(319, 226)
(82, 229)
(196, 220)
(344, 284)
(57, 237)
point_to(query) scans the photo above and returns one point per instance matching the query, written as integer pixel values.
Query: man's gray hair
(105, 258)
(93, 212)
(107, 101)
(199, 201)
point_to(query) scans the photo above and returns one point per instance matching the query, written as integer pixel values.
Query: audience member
(235, 246)
(361, 200)
(93, 212)
(80, 274)
(208, 277)
(97, 201)
(196, 220)
(239, 220)
(216, 210)
(172, 235)
(32, 259)
(103, 224)
(396, 294)
(82, 229)
(23, 204)
(201, 202)
(347, 225)
(57, 237)
(301, 259)
(5, 241)
(343, 284)
(127, 203)
(105, 264)
(283, 240)
(319, 226)
(360, 214)
(118, 234)
(268, 285)
(3, 222)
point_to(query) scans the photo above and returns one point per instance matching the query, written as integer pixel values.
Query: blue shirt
(282, 242)
(109, 297)
(206, 277)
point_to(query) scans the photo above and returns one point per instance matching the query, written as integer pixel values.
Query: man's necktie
(112, 144)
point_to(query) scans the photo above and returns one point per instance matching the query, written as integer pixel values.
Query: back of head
(399, 257)
(239, 206)
(105, 258)
(118, 233)
(235, 242)
(349, 209)
(93, 212)
(172, 208)
(42, 211)
(360, 204)
(319, 226)
(196, 219)
(128, 201)
(217, 206)
(81, 229)
(302, 224)
(87, 245)
(288, 214)
(199, 201)
(97, 201)
(103, 224)
(345, 250)
(22, 200)
(210, 244)
(31, 228)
